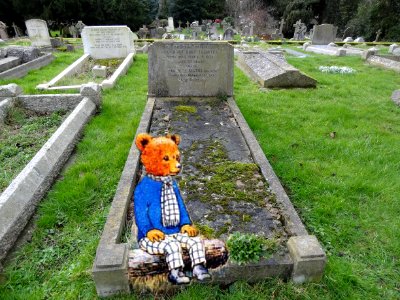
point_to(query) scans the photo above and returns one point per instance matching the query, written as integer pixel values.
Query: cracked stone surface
(223, 189)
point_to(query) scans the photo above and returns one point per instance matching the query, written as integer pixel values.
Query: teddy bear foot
(201, 273)
(176, 276)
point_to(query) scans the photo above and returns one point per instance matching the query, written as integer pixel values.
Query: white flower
(336, 70)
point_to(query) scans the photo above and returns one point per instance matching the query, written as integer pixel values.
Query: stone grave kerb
(176, 72)
(196, 69)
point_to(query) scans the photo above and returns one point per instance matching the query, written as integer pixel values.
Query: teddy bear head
(159, 155)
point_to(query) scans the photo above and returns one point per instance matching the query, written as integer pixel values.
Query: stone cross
(187, 24)
(281, 23)
(252, 28)
(179, 22)
(378, 33)
(16, 29)
(298, 29)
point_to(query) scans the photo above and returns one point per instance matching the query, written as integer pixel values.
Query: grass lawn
(45, 74)
(335, 148)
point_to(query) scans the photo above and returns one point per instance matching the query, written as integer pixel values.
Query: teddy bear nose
(178, 165)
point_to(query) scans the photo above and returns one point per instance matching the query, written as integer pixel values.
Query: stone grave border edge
(23, 69)
(110, 267)
(16, 208)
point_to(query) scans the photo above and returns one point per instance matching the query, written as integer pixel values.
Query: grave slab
(326, 49)
(227, 182)
(389, 62)
(271, 71)
(9, 63)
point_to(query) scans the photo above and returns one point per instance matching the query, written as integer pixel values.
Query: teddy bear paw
(176, 276)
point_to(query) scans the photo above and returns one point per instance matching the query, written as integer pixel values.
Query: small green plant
(245, 247)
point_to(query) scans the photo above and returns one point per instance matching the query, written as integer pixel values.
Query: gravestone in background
(179, 69)
(228, 34)
(38, 33)
(107, 41)
(170, 27)
(324, 34)
(3, 31)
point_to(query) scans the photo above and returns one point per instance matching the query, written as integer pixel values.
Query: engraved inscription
(190, 62)
(106, 38)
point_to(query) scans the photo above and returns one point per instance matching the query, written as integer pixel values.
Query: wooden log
(141, 263)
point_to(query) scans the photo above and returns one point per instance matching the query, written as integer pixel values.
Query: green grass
(29, 82)
(57, 262)
(21, 137)
(346, 188)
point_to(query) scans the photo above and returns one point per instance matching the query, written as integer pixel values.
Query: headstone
(392, 47)
(107, 41)
(271, 71)
(38, 33)
(73, 31)
(79, 27)
(378, 34)
(170, 27)
(17, 30)
(299, 31)
(190, 69)
(360, 39)
(228, 34)
(246, 31)
(159, 32)
(195, 35)
(324, 34)
(349, 39)
(332, 45)
(143, 32)
(3, 31)
(396, 52)
(135, 36)
(252, 28)
(281, 23)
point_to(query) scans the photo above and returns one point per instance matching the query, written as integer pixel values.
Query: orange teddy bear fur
(161, 157)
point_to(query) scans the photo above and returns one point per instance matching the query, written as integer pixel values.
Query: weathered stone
(305, 45)
(92, 91)
(49, 102)
(392, 47)
(385, 62)
(70, 48)
(190, 69)
(324, 34)
(3, 52)
(5, 105)
(359, 40)
(349, 39)
(10, 90)
(38, 32)
(9, 62)
(99, 71)
(309, 258)
(396, 97)
(55, 42)
(270, 71)
(332, 45)
(367, 53)
(107, 41)
(21, 70)
(26, 54)
(396, 51)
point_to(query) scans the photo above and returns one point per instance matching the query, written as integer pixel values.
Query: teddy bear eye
(166, 158)
(178, 157)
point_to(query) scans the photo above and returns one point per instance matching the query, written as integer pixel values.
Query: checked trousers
(172, 246)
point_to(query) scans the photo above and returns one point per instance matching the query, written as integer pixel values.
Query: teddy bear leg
(197, 255)
(173, 256)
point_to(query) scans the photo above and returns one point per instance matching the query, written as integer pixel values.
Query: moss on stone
(186, 109)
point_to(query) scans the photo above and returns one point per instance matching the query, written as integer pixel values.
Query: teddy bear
(163, 223)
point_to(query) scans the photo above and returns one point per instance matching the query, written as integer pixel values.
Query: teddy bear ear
(142, 140)
(176, 138)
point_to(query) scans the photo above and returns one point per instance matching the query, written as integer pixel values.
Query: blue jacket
(147, 205)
